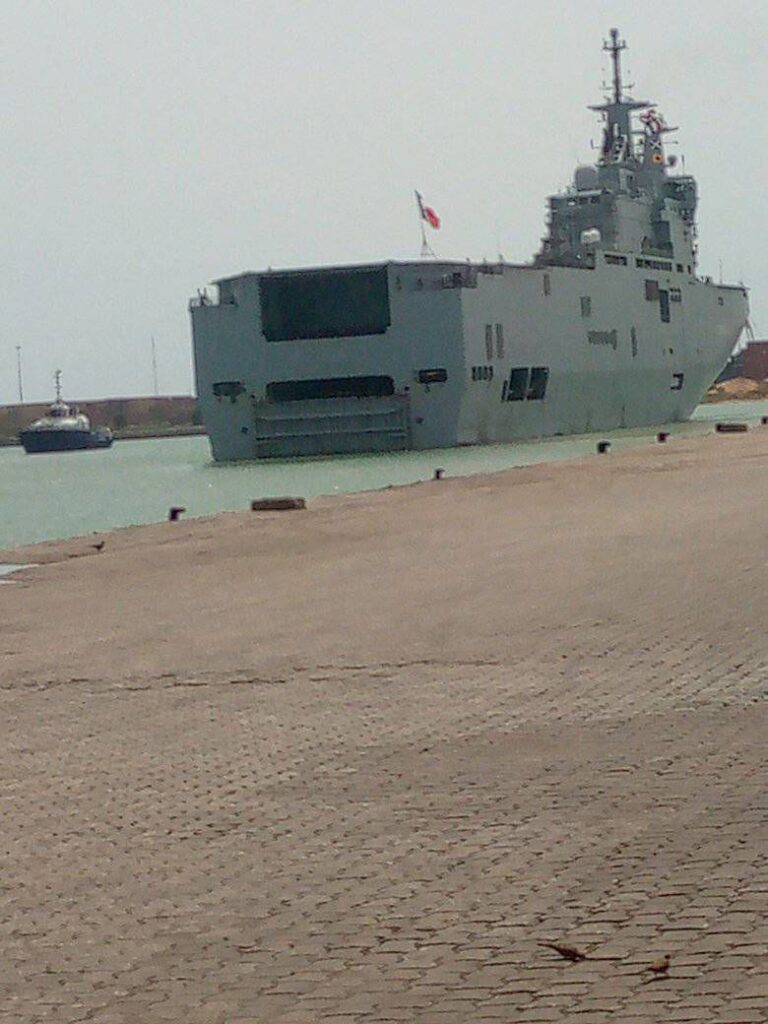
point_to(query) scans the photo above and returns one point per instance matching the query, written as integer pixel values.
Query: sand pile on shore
(737, 388)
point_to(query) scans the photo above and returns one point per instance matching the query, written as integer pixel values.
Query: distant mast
(18, 374)
(154, 367)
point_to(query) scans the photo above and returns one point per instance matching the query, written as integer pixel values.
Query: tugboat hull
(39, 441)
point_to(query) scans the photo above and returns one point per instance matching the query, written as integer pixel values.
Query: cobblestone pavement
(389, 838)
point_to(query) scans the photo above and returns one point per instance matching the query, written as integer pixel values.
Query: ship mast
(617, 136)
(614, 48)
(57, 380)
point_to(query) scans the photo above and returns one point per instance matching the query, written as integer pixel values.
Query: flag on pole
(427, 213)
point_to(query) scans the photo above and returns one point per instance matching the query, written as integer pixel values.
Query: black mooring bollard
(277, 504)
(662, 436)
(438, 474)
(174, 512)
(602, 447)
(731, 428)
(764, 420)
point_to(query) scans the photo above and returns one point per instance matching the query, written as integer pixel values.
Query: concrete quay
(353, 764)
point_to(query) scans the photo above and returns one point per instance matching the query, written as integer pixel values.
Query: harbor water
(43, 497)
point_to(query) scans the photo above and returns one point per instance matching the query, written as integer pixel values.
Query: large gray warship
(609, 326)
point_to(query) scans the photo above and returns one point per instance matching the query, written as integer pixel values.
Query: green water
(74, 493)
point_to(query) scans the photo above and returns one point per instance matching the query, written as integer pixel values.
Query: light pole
(154, 367)
(18, 374)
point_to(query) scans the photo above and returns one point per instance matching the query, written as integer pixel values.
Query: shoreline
(46, 551)
(61, 548)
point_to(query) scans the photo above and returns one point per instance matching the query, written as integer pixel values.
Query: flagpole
(426, 249)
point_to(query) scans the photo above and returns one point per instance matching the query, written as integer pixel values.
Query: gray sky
(150, 147)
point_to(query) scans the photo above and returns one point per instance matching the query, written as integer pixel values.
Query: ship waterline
(610, 326)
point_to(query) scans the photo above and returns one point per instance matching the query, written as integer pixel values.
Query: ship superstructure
(609, 326)
(627, 202)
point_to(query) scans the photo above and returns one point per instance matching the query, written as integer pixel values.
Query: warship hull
(429, 354)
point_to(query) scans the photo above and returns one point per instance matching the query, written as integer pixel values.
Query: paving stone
(384, 827)
(739, 1015)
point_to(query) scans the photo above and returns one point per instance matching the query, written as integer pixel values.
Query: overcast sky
(150, 147)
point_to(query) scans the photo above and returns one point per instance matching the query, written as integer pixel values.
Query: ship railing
(205, 300)
(202, 299)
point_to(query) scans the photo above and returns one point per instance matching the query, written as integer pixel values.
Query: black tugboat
(64, 429)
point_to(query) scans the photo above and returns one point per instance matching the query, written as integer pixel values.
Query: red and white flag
(427, 213)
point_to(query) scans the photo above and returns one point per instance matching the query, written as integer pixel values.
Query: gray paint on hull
(437, 324)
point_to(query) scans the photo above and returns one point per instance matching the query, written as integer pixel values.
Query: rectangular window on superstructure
(489, 342)
(321, 304)
(586, 305)
(664, 305)
(537, 386)
(499, 341)
(517, 387)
